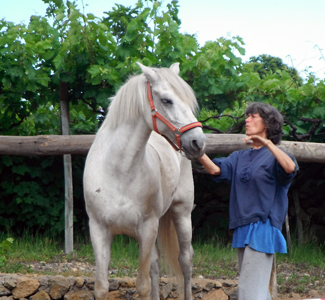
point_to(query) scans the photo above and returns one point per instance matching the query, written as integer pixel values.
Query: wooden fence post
(288, 235)
(273, 288)
(298, 218)
(68, 186)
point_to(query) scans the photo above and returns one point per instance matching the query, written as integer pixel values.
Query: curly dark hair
(272, 118)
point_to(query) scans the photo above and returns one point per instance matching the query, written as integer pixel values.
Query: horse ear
(175, 68)
(148, 72)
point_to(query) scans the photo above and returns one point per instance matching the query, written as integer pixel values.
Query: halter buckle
(177, 131)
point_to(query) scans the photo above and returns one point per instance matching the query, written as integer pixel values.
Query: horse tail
(169, 248)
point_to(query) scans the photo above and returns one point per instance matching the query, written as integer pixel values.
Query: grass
(297, 271)
(214, 260)
(302, 270)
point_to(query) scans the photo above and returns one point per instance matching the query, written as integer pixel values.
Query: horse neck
(127, 145)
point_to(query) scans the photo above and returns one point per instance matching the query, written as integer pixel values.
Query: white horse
(136, 184)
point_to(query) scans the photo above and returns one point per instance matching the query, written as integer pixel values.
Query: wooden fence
(80, 144)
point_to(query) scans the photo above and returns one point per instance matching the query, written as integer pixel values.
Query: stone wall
(45, 287)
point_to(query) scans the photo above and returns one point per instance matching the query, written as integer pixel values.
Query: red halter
(177, 131)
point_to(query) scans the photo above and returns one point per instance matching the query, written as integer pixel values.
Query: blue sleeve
(226, 165)
(283, 177)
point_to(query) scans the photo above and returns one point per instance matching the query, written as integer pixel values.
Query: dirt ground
(294, 281)
(300, 281)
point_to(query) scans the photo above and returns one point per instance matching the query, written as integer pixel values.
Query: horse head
(172, 104)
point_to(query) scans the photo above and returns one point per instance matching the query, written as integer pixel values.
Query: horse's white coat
(135, 183)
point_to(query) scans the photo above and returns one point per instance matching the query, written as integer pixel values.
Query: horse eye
(166, 101)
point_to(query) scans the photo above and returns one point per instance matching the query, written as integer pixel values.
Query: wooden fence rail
(80, 144)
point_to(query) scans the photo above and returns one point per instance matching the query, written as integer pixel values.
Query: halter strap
(177, 131)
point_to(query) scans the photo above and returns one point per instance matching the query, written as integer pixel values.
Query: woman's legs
(255, 271)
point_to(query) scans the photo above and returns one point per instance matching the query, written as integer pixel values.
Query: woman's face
(255, 125)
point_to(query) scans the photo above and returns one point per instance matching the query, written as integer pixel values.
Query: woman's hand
(284, 159)
(256, 141)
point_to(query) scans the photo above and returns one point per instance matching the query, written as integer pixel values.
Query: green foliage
(289, 97)
(230, 120)
(4, 249)
(32, 193)
(31, 189)
(266, 64)
(213, 73)
(268, 80)
(96, 55)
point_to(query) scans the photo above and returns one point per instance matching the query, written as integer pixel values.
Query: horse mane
(130, 100)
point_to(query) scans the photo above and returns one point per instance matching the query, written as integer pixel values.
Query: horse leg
(155, 273)
(146, 244)
(183, 226)
(101, 240)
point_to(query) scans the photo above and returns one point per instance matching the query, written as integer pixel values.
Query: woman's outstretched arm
(209, 165)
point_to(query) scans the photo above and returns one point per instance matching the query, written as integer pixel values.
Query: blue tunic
(262, 237)
(258, 197)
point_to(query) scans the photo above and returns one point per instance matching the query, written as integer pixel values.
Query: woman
(260, 178)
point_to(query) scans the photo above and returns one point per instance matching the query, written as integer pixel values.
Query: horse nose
(198, 144)
(193, 143)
